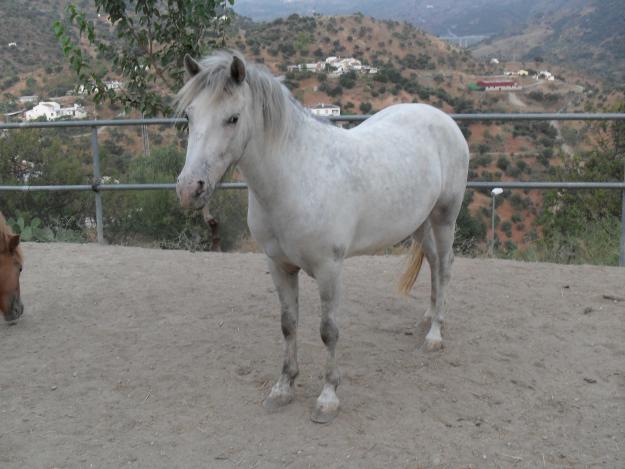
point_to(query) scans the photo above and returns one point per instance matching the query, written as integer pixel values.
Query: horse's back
(431, 131)
(418, 161)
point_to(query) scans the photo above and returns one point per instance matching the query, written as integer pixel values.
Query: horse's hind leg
(426, 237)
(440, 259)
(285, 278)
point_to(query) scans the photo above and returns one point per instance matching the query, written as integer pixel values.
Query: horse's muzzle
(15, 311)
(193, 194)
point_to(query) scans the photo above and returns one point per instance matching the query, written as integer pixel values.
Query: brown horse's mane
(5, 233)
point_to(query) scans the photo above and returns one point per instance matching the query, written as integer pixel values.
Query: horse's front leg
(329, 281)
(285, 278)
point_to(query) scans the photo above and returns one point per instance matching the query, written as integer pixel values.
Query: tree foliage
(571, 216)
(39, 157)
(145, 41)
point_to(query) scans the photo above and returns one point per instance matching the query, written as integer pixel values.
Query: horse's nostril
(200, 188)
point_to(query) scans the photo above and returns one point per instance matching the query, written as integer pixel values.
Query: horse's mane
(268, 94)
(5, 233)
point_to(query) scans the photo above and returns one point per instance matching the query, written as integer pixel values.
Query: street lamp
(495, 192)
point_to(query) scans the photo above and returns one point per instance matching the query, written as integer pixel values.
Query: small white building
(325, 110)
(315, 67)
(52, 110)
(28, 99)
(545, 75)
(494, 61)
(47, 109)
(523, 73)
(113, 84)
(12, 44)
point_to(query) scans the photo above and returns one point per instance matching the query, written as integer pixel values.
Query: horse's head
(216, 99)
(10, 269)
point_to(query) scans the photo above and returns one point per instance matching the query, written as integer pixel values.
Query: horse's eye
(233, 120)
(21, 268)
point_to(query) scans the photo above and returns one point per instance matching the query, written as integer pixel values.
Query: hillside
(588, 35)
(461, 17)
(29, 26)
(412, 66)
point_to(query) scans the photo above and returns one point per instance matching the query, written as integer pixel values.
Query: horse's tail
(409, 277)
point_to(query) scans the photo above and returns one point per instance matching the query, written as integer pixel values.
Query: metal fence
(97, 187)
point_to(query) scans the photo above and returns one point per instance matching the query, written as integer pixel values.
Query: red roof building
(498, 85)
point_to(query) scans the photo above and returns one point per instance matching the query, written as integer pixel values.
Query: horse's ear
(14, 242)
(237, 70)
(191, 67)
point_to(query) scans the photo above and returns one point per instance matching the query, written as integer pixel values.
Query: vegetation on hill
(29, 26)
(584, 226)
(412, 67)
(589, 35)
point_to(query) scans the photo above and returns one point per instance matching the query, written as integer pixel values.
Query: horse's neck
(272, 170)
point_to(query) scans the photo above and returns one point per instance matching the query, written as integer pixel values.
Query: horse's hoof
(433, 345)
(324, 413)
(275, 401)
(327, 406)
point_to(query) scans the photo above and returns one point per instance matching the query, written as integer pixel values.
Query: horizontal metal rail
(536, 185)
(531, 116)
(98, 187)
(111, 187)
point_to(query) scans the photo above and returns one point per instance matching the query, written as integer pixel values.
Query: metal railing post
(492, 230)
(97, 175)
(621, 259)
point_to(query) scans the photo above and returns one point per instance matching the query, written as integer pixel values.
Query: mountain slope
(29, 26)
(461, 17)
(589, 35)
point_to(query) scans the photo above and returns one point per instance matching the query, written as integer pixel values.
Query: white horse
(319, 194)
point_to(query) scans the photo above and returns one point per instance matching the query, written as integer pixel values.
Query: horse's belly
(385, 226)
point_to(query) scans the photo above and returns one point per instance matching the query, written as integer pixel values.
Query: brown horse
(10, 269)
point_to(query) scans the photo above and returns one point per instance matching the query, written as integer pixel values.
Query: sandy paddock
(131, 357)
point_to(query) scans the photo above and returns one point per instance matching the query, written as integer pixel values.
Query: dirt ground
(130, 357)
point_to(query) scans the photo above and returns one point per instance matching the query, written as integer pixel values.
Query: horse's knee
(288, 323)
(329, 332)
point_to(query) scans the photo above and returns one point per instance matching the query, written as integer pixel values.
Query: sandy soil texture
(131, 357)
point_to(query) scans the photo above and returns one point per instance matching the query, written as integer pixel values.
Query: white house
(12, 44)
(523, 73)
(113, 84)
(343, 65)
(28, 99)
(325, 110)
(315, 67)
(47, 109)
(51, 110)
(76, 111)
(545, 75)
(339, 65)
